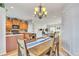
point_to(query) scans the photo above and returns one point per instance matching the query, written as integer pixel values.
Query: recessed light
(12, 7)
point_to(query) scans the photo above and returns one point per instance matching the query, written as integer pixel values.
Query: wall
(2, 31)
(44, 22)
(30, 26)
(70, 28)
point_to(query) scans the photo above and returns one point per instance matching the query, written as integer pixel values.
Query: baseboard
(67, 52)
(1, 54)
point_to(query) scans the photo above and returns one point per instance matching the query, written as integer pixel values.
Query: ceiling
(25, 10)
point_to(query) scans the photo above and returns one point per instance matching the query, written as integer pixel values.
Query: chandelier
(40, 11)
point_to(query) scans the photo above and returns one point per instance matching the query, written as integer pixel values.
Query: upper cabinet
(14, 21)
(23, 25)
(8, 24)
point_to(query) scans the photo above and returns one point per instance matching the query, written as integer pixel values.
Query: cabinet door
(8, 25)
(11, 43)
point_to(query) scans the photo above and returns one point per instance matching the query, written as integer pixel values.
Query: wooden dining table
(37, 48)
(40, 49)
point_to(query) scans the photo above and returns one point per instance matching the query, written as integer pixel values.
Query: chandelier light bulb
(35, 13)
(46, 13)
(36, 9)
(43, 9)
(40, 14)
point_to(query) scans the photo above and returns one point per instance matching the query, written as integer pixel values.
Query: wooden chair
(22, 48)
(54, 45)
(52, 48)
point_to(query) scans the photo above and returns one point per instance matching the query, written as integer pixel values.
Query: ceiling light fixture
(40, 11)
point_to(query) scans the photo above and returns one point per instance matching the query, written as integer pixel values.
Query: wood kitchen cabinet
(8, 25)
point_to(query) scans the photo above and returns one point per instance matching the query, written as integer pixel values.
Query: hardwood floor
(33, 53)
(12, 53)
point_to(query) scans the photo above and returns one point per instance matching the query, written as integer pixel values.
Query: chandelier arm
(40, 13)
